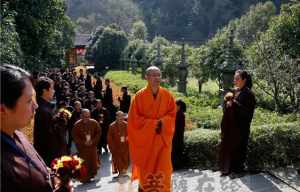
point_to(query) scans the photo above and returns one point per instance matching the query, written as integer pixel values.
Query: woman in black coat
(230, 135)
(178, 138)
(236, 121)
(244, 101)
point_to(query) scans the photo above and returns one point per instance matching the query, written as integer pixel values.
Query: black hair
(35, 74)
(182, 105)
(13, 81)
(62, 104)
(42, 83)
(245, 75)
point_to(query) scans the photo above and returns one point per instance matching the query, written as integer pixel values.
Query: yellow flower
(75, 157)
(66, 158)
(59, 164)
(65, 111)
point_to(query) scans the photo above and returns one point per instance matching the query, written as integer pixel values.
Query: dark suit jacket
(125, 103)
(108, 98)
(44, 133)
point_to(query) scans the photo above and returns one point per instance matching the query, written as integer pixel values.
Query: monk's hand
(158, 127)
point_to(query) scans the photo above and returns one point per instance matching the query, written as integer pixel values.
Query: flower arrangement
(64, 113)
(67, 168)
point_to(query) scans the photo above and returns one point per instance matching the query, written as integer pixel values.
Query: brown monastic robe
(118, 145)
(87, 152)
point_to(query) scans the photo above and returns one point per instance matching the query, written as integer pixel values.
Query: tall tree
(139, 30)
(195, 20)
(41, 25)
(107, 46)
(10, 48)
(89, 14)
(274, 57)
(254, 21)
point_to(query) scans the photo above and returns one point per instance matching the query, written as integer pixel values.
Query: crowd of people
(146, 131)
(75, 108)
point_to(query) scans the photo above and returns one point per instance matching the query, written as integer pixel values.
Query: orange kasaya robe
(150, 153)
(87, 152)
(118, 145)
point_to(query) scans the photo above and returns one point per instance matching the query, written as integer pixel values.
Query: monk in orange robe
(118, 144)
(151, 125)
(86, 135)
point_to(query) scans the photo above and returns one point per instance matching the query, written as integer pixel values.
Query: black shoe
(224, 174)
(239, 170)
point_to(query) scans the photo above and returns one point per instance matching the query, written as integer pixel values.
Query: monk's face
(154, 77)
(85, 116)
(120, 117)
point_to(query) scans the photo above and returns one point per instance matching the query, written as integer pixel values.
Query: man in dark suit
(125, 100)
(44, 134)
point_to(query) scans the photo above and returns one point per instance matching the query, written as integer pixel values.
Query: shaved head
(153, 76)
(85, 115)
(151, 68)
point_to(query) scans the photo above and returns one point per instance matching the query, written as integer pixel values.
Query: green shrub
(270, 146)
(265, 117)
(200, 148)
(205, 117)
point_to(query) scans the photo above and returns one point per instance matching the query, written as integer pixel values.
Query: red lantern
(80, 51)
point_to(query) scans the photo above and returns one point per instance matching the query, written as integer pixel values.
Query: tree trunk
(200, 83)
(276, 99)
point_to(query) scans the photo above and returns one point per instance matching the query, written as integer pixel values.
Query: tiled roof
(82, 39)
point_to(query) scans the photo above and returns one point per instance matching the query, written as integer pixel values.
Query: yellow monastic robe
(118, 145)
(150, 153)
(87, 152)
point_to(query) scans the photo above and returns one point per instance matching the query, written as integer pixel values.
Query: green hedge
(274, 146)
(270, 146)
(200, 148)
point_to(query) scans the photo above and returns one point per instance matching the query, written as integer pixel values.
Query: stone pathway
(188, 181)
(289, 176)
